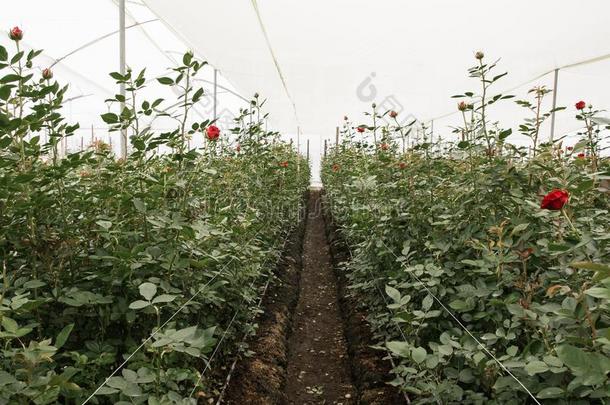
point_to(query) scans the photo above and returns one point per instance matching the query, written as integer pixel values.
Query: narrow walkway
(318, 371)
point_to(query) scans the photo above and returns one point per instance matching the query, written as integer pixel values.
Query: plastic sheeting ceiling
(80, 41)
(337, 57)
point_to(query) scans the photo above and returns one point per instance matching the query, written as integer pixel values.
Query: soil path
(318, 365)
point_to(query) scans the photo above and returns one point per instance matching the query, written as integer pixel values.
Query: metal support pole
(215, 91)
(122, 71)
(554, 104)
(337, 136)
(308, 150)
(298, 140)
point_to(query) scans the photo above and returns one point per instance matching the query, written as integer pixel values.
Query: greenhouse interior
(323, 202)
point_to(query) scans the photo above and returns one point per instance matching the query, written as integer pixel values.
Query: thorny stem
(483, 118)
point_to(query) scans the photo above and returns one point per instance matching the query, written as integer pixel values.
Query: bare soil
(318, 366)
(313, 344)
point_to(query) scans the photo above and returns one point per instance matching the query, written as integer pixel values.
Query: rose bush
(514, 245)
(156, 255)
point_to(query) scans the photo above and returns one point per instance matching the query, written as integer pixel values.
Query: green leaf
(550, 392)
(148, 290)
(519, 228)
(139, 304)
(104, 224)
(599, 292)
(392, 293)
(5, 92)
(401, 349)
(3, 53)
(110, 118)
(165, 80)
(9, 324)
(62, 337)
(140, 205)
(10, 78)
(164, 298)
(418, 354)
(197, 95)
(536, 367)
(117, 76)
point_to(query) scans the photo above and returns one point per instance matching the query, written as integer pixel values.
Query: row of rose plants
(149, 267)
(481, 239)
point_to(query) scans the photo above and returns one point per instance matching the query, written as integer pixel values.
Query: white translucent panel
(63, 26)
(338, 57)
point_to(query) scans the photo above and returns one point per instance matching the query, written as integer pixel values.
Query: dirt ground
(313, 345)
(318, 364)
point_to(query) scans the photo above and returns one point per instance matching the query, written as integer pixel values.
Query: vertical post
(298, 140)
(122, 71)
(337, 136)
(325, 147)
(215, 91)
(308, 150)
(554, 104)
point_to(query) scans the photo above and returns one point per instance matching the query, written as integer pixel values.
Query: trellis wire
(226, 266)
(349, 250)
(207, 366)
(489, 353)
(457, 320)
(260, 301)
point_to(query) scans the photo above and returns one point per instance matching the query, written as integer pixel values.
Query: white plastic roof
(83, 36)
(317, 60)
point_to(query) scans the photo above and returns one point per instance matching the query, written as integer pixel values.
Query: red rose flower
(402, 165)
(384, 146)
(47, 74)
(15, 34)
(360, 129)
(238, 148)
(393, 114)
(570, 148)
(212, 132)
(284, 164)
(580, 156)
(335, 168)
(555, 200)
(462, 106)
(581, 105)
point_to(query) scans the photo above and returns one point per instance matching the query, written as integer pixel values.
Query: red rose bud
(570, 148)
(393, 114)
(402, 165)
(384, 146)
(345, 117)
(581, 105)
(238, 148)
(462, 106)
(479, 55)
(15, 34)
(284, 164)
(335, 168)
(580, 156)
(212, 132)
(47, 74)
(555, 200)
(360, 129)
